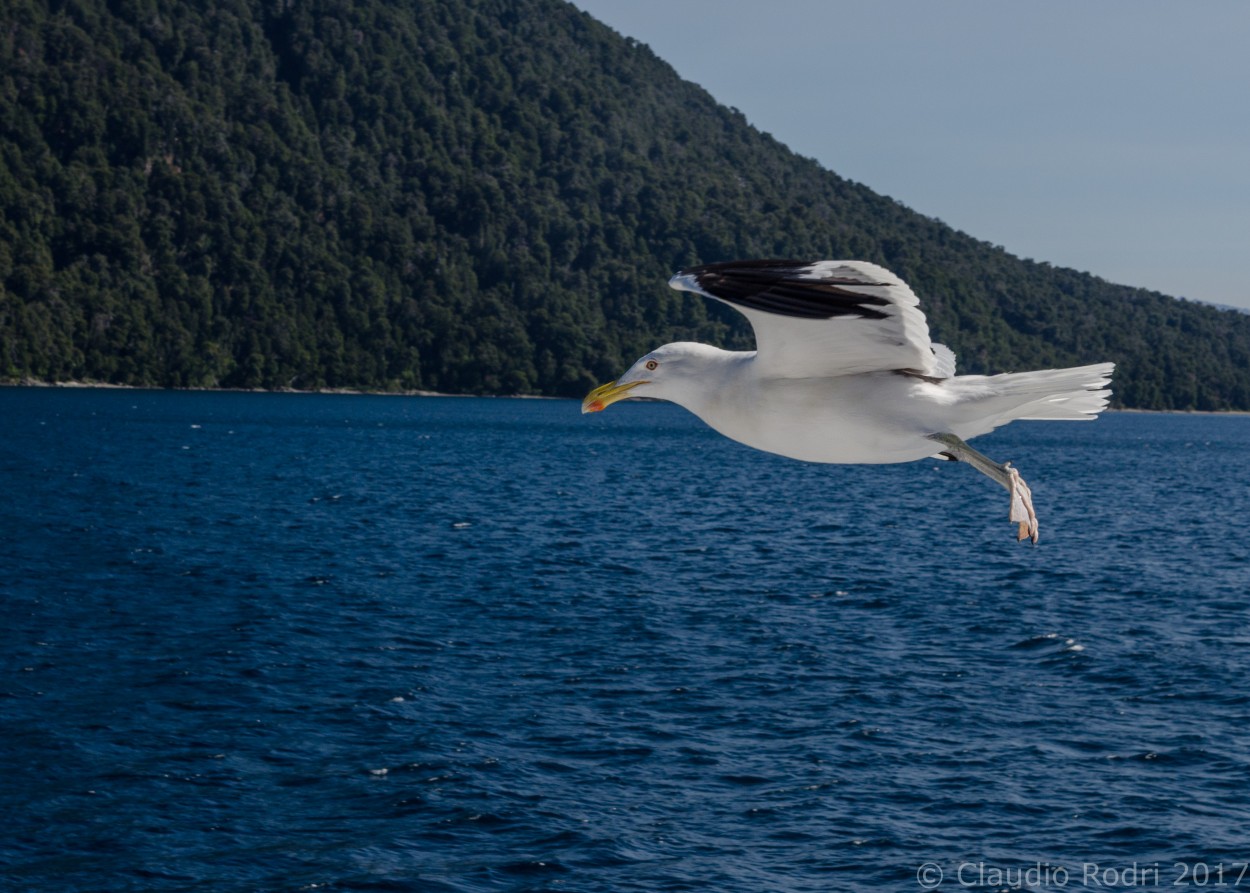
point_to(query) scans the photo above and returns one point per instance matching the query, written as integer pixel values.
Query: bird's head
(671, 372)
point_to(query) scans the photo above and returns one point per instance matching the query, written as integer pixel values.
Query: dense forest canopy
(475, 196)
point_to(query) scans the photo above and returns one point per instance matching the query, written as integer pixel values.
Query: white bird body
(845, 372)
(864, 418)
(811, 419)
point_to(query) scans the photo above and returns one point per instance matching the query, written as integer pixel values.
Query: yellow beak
(605, 395)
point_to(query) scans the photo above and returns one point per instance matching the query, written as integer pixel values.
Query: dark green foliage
(482, 196)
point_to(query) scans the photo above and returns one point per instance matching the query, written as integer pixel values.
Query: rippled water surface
(295, 642)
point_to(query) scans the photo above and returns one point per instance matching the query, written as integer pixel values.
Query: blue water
(293, 642)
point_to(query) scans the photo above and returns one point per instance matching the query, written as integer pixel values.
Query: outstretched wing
(824, 318)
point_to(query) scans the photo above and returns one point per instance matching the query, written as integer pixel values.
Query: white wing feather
(824, 318)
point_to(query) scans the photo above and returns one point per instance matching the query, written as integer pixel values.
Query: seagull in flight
(844, 371)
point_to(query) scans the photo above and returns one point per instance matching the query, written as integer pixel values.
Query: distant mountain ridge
(474, 196)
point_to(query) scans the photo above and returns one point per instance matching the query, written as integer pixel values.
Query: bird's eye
(652, 365)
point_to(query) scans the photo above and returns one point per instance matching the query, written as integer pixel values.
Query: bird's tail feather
(1076, 394)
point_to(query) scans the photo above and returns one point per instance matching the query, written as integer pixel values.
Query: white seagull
(844, 372)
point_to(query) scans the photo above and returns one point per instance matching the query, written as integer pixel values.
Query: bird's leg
(1007, 477)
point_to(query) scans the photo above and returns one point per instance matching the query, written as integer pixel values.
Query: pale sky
(1110, 136)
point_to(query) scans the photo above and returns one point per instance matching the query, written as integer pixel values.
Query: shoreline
(364, 392)
(104, 385)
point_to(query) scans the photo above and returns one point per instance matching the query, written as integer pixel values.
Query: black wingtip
(785, 287)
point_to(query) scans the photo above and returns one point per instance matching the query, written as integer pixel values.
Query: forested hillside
(481, 196)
